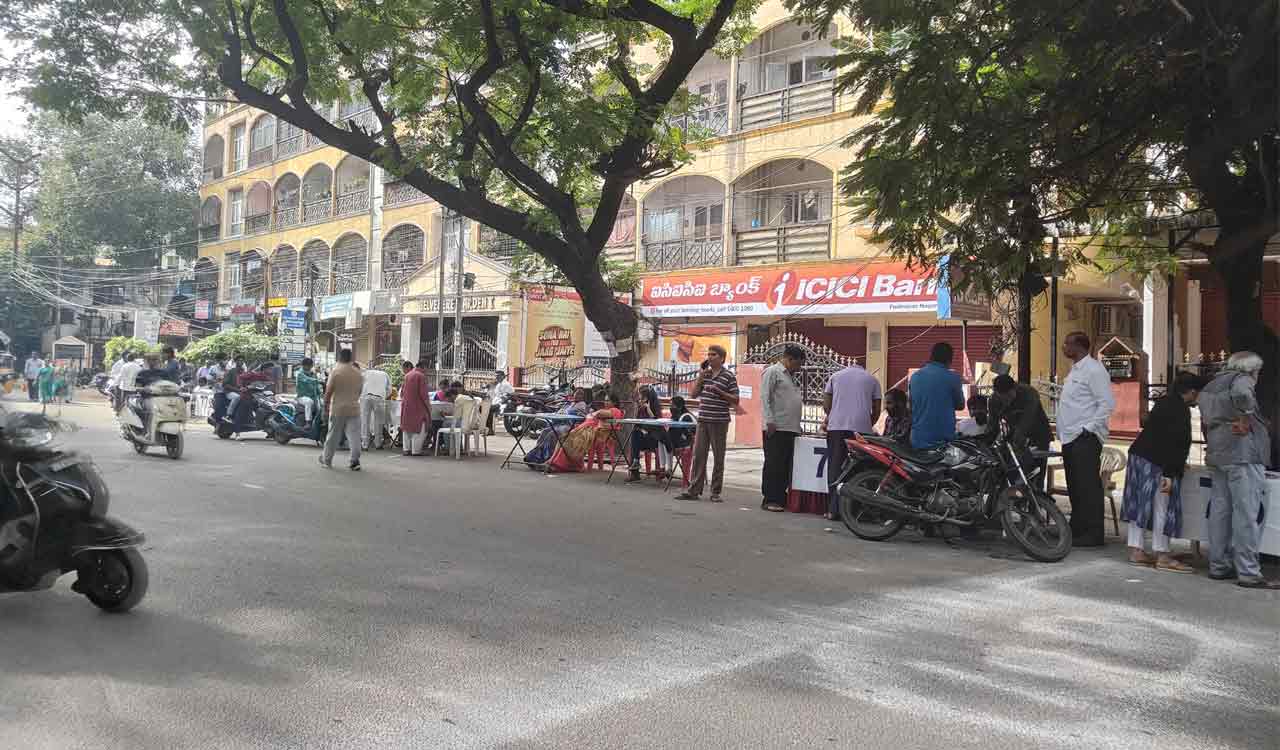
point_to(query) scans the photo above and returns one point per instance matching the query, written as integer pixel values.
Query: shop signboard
(823, 289)
(967, 305)
(175, 327)
(242, 314)
(274, 303)
(296, 303)
(203, 309)
(809, 465)
(595, 350)
(146, 325)
(471, 303)
(687, 344)
(335, 306)
(292, 335)
(386, 302)
(228, 325)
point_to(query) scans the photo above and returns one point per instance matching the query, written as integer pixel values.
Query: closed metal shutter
(909, 348)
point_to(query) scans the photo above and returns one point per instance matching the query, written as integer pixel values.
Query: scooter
(53, 520)
(537, 401)
(157, 418)
(252, 413)
(289, 422)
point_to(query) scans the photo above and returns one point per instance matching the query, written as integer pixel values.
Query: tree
(244, 341)
(19, 178)
(118, 345)
(523, 115)
(993, 122)
(122, 189)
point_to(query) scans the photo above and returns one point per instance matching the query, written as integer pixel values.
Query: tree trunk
(1024, 334)
(616, 322)
(1241, 270)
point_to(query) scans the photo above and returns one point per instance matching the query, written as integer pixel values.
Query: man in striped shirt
(717, 391)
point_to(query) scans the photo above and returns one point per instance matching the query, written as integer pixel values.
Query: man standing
(1237, 446)
(852, 404)
(936, 395)
(31, 371)
(1084, 416)
(783, 403)
(342, 404)
(415, 409)
(377, 386)
(171, 367)
(717, 390)
(501, 391)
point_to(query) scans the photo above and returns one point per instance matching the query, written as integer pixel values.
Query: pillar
(1191, 326)
(1155, 311)
(410, 338)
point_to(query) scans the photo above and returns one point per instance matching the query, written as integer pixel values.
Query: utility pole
(444, 254)
(459, 355)
(17, 184)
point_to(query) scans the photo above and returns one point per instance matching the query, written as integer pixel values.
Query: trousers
(1082, 459)
(775, 479)
(1159, 542)
(1235, 502)
(837, 454)
(710, 437)
(371, 420)
(308, 406)
(338, 428)
(416, 442)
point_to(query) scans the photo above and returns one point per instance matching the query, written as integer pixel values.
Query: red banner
(825, 289)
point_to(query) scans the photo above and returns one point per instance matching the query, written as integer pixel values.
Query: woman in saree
(543, 449)
(573, 449)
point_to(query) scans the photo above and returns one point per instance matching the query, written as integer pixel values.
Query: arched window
(284, 272)
(288, 195)
(210, 219)
(403, 253)
(262, 138)
(206, 272)
(350, 264)
(353, 186)
(313, 270)
(782, 212)
(257, 209)
(289, 139)
(317, 193)
(213, 158)
(684, 224)
(253, 275)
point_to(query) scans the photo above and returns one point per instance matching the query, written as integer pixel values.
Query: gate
(479, 353)
(820, 363)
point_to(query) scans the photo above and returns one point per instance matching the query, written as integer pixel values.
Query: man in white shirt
(502, 390)
(377, 386)
(1084, 415)
(31, 372)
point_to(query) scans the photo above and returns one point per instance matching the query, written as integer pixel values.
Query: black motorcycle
(53, 520)
(885, 485)
(537, 401)
(253, 413)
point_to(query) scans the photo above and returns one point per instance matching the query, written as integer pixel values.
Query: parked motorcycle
(156, 417)
(886, 485)
(537, 401)
(53, 520)
(252, 413)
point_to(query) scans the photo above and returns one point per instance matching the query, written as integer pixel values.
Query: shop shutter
(909, 347)
(850, 341)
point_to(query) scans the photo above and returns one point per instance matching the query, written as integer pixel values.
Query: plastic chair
(478, 428)
(462, 409)
(1113, 460)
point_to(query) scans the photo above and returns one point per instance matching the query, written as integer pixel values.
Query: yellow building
(749, 240)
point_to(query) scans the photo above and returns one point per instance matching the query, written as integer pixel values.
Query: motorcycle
(886, 485)
(537, 401)
(53, 520)
(102, 383)
(252, 413)
(289, 422)
(155, 418)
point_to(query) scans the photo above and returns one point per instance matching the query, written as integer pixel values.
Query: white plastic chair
(462, 410)
(478, 428)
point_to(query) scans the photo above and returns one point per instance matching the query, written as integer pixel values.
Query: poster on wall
(595, 350)
(554, 342)
(146, 325)
(687, 344)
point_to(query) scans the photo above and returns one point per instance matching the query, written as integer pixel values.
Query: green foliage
(244, 341)
(120, 344)
(394, 370)
(527, 266)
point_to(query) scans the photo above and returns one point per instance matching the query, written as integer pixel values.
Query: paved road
(425, 603)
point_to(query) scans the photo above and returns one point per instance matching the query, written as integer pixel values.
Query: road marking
(254, 486)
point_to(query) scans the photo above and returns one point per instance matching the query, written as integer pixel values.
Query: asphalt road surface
(427, 603)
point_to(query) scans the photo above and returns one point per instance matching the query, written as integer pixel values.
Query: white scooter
(165, 419)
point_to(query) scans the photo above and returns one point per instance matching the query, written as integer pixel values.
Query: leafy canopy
(244, 341)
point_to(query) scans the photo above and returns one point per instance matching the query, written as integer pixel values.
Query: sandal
(1143, 562)
(1174, 566)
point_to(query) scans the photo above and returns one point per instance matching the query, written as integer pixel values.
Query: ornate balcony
(353, 203)
(290, 146)
(286, 216)
(261, 156)
(704, 123)
(210, 232)
(257, 224)
(685, 253)
(317, 210)
(400, 193)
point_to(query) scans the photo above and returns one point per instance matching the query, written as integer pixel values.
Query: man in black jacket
(1019, 407)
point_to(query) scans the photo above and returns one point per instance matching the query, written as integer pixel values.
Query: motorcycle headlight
(29, 438)
(952, 455)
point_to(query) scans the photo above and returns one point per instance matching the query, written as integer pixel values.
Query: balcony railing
(313, 141)
(787, 105)
(364, 120)
(286, 216)
(317, 210)
(235, 229)
(685, 253)
(257, 223)
(399, 193)
(212, 174)
(786, 244)
(260, 157)
(621, 253)
(353, 281)
(704, 123)
(394, 275)
(290, 146)
(210, 232)
(353, 203)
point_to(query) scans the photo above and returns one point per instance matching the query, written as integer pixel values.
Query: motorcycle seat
(927, 456)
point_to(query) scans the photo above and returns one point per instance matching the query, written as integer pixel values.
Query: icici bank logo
(779, 293)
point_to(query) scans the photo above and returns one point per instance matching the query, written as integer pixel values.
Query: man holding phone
(717, 391)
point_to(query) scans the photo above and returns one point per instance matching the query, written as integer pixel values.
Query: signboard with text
(823, 289)
(967, 305)
(809, 465)
(203, 309)
(292, 335)
(174, 327)
(146, 325)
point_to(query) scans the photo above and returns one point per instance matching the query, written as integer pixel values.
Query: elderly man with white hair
(1237, 448)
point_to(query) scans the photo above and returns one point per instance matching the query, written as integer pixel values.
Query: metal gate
(820, 363)
(479, 352)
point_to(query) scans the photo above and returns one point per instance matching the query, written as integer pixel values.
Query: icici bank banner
(827, 289)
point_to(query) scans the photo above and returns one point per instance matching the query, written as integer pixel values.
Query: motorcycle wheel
(865, 522)
(138, 447)
(513, 426)
(223, 431)
(173, 445)
(114, 580)
(1037, 524)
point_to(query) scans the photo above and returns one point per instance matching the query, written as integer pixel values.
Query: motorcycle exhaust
(897, 507)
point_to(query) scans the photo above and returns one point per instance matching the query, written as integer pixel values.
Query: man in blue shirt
(936, 396)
